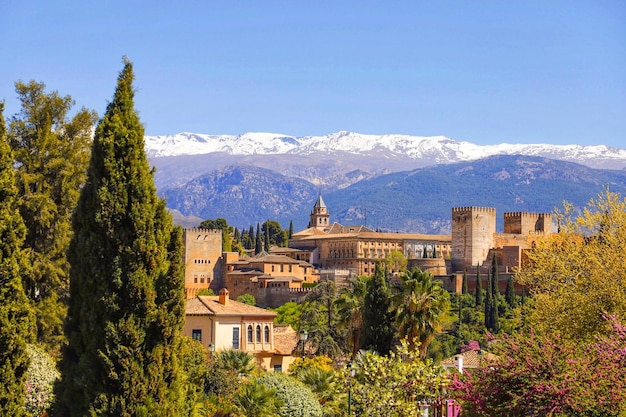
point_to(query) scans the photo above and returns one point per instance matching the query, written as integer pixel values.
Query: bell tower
(319, 215)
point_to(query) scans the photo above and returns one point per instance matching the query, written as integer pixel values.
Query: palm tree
(256, 400)
(421, 308)
(323, 383)
(350, 310)
(242, 363)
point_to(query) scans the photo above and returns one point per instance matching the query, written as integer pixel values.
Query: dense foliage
(297, 398)
(548, 375)
(578, 274)
(16, 324)
(51, 152)
(126, 307)
(40, 379)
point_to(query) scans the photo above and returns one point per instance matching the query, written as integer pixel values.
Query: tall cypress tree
(126, 306)
(290, 229)
(378, 327)
(464, 289)
(267, 243)
(495, 295)
(478, 292)
(16, 316)
(489, 304)
(509, 295)
(258, 244)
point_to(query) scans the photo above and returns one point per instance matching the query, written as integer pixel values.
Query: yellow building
(220, 323)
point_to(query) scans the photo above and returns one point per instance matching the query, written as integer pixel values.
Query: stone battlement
(473, 209)
(517, 214)
(200, 230)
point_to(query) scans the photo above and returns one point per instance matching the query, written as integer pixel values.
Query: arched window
(258, 333)
(267, 334)
(250, 333)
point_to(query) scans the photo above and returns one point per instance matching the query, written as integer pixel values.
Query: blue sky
(482, 71)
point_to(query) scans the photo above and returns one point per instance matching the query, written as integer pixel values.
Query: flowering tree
(40, 378)
(548, 375)
(393, 385)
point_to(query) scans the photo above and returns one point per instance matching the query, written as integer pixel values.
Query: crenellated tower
(203, 251)
(473, 230)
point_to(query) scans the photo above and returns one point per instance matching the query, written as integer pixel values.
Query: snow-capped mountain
(428, 150)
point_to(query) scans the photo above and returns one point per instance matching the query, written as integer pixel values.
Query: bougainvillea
(547, 375)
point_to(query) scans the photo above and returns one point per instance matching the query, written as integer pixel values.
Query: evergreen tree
(266, 243)
(495, 326)
(495, 276)
(52, 153)
(509, 295)
(478, 292)
(251, 233)
(290, 229)
(126, 308)
(464, 289)
(489, 305)
(16, 318)
(378, 329)
(258, 246)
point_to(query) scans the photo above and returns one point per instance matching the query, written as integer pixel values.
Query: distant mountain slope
(413, 201)
(243, 195)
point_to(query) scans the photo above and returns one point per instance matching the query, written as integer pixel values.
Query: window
(195, 279)
(282, 268)
(272, 268)
(196, 334)
(278, 368)
(235, 337)
(250, 340)
(258, 333)
(267, 334)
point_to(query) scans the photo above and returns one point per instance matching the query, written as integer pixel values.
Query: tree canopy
(126, 308)
(578, 274)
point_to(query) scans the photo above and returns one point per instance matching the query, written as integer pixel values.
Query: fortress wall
(473, 229)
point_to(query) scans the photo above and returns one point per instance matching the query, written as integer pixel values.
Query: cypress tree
(478, 292)
(126, 308)
(258, 245)
(464, 289)
(251, 233)
(509, 295)
(489, 304)
(378, 328)
(290, 229)
(267, 243)
(495, 276)
(16, 316)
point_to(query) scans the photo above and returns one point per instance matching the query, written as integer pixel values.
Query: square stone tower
(203, 249)
(473, 230)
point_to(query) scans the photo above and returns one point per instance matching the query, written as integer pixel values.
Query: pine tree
(52, 152)
(258, 246)
(478, 293)
(378, 328)
(16, 316)
(126, 306)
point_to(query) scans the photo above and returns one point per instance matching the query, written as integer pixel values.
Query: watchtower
(473, 231)
(203, 249)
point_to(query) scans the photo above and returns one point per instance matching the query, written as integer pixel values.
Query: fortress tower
(523, 223)
(473, 230)
(203, 249)
(319, 215)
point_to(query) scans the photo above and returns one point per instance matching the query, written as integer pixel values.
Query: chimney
(224, 296)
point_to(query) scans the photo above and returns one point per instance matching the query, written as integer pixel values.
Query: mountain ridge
(429, 150)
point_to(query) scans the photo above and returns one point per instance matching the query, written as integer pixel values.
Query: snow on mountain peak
(434, 149)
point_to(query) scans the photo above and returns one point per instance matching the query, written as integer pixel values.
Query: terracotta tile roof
(471, 359)
(285, 339)
(211, 306)
(266, 257)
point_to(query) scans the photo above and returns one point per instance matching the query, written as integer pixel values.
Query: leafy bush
(298, 400)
